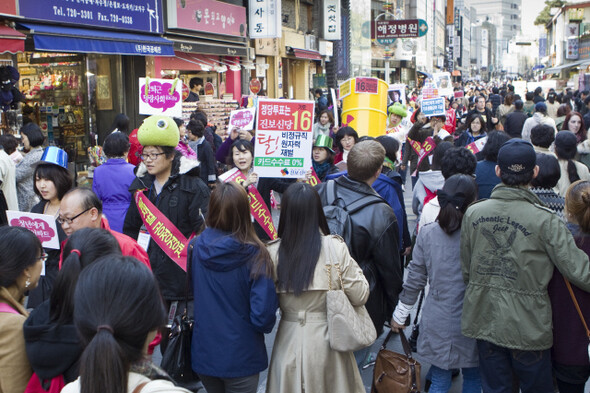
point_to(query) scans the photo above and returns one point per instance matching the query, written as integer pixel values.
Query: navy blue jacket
(232, 311)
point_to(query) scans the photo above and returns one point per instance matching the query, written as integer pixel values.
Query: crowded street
(294, 196)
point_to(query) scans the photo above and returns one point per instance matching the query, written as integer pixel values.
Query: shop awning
(188, 62)
(11, 41)
(561, 67)
(306, 54)
(208, 48)
(73, 39)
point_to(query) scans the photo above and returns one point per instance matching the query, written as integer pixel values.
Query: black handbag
(176, 360)
(413, 340)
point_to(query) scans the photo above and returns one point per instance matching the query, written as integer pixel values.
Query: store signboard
(386, 30)
(572, 48)
(267, 46)
(42, 225)
(264, 18)
(284, 138)
(207, 15)
(162, 97)
(332, 20)
(433, 106)
(142, 15)
(8, 7)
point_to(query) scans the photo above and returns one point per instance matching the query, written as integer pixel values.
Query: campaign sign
(42, 225)
(345, 89)
(164, 97)
(433, 106)
(366, 85)
(243, 118)
(284, 138)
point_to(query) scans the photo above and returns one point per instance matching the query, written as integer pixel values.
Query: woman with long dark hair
(475, 129)
(302, 359)
(436, 260)
(571, 170)
(21, 261)
(52, 344)
(118, 311)
(235, 301)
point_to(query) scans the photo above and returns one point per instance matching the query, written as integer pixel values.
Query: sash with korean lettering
(258, 208)
(427, 148)
(161, 230)
(314, 180)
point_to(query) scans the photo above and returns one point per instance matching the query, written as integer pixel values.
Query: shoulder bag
(395, 372)
(350, 328)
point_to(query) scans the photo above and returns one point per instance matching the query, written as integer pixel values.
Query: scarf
(321, 169)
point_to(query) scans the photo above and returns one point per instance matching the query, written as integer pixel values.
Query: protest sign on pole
(160, 97)
(433, 107)
(284, 138)
(42, 225)
(243, 118)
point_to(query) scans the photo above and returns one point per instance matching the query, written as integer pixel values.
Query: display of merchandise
(217, 110)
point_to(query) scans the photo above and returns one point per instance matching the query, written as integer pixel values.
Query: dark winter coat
(232, 310)
(419, 132)
(514, 123)
(487, 115)
(375, 247)
(206, 158)
(52, 349)
(183, 200)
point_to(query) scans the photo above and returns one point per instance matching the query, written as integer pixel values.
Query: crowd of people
(500, 189)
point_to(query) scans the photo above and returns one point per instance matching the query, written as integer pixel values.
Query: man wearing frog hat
(173, 186)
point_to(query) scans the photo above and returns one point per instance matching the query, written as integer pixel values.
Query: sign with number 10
(284, 138)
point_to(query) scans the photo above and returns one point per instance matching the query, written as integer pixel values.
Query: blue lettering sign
(433, 106)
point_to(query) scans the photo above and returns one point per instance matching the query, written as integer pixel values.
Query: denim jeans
(496, 365)
(442, 379)
(230, 385)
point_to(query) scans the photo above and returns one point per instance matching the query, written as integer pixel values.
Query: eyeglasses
(43, 257)
(151, 156)
(69, 221)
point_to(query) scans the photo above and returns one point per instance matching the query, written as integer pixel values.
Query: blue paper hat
(55, 155)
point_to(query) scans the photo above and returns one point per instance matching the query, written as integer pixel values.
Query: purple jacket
(111, 183)
(570, 344)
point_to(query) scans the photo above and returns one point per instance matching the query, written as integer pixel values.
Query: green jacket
(510, 244)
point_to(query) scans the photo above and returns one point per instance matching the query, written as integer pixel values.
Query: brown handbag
(395, 372)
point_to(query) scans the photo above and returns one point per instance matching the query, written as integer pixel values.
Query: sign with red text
(366, 85)
(42, 225)
(284, 138)
(243, 118)
(161, 97)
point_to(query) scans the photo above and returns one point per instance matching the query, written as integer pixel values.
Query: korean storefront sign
(264, 18)
(332, 21)
(267, 46)
(142, 15)
(207, 15)
(42, 225)
(572, 48)
(160, 97)
(387, 31)
(284, 138)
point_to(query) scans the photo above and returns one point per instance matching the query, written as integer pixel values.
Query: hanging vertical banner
(264, 19)
(284, 138)
(332, 20)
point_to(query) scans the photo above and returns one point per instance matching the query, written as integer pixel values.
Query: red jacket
(129, 246)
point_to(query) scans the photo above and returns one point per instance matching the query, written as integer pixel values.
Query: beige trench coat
(302, 360)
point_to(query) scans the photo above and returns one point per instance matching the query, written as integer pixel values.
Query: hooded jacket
(52, 349)
(510, 245)
(232, 311)
(532, 122)
(433, 180)
(183, 200)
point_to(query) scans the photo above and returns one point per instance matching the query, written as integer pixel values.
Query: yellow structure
(364, 105)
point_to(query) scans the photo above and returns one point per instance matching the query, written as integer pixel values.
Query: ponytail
(61, 302)
(103, 365)
(457, 194)
(572, 172)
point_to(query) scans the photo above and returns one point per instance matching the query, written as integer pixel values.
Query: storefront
(76, 79)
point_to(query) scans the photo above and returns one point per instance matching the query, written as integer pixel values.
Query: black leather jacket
(375, 238)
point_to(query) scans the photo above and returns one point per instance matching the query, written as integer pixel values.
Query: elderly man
(81, 208)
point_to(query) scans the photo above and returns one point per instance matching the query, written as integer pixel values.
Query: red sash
(161, 230)
(258, 208)
(422, 150)
(314, 180)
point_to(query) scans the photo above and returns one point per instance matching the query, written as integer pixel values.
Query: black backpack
(338, 213)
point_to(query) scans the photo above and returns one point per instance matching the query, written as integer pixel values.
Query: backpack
(338, 213)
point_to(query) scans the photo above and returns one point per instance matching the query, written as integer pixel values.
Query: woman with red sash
(168, 185)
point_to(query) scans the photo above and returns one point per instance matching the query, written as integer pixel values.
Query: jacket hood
(433, 180)
(52, 349)
(221, 252)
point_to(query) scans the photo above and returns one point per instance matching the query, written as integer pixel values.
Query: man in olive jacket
(510, 245)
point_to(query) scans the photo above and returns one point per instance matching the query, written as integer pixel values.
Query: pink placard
(207, 15)
(42, 225)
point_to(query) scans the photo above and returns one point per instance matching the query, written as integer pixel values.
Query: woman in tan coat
(302, 360)
(21, 261)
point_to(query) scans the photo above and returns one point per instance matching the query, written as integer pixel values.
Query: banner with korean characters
(433, 107)
(209, 16)
(42, 225)
(160, 97)
(243, 118)
(284, 138)
(332, 20)
(264, 19)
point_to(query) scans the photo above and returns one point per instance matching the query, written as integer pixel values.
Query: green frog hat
(398, 109)
(158, 130)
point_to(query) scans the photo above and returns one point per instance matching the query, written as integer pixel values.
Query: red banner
(161, 230)
(258, 208)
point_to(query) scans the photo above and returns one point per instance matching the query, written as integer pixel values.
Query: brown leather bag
(396, 372)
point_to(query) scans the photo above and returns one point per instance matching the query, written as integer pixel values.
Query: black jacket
(496, 100)
(206, 159)
(265, 186)
(183, 200)
(375, 239)
(52, 349)
(487, 115)
(514, 123)
(420, 133)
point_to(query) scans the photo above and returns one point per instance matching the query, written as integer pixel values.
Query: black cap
(517, 156)
(566, 144)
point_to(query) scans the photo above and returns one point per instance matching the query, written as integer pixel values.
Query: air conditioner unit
(311, 42)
